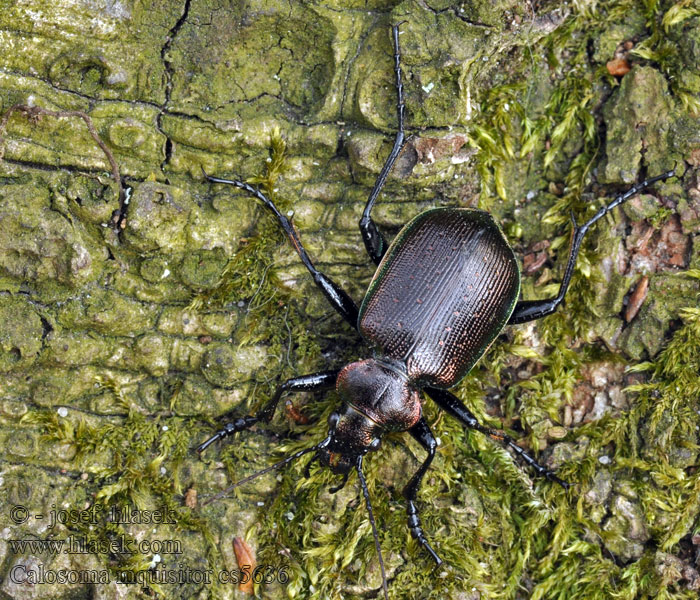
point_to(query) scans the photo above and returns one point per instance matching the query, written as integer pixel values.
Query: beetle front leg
(453, 406)
(374, 240)
(422, 434)
(305, 383)
(530, 310)
(337, 297)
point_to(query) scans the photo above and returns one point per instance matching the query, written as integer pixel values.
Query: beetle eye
(333, 420)
(375, 445)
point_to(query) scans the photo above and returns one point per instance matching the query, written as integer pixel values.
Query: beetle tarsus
(552, 477)
(530, 310)
(549, 474)
(305, 383)
(229, 429)
(340, 486)
(422, 434)
(414, 524)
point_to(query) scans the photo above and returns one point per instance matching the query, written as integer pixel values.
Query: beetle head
(377, 397)
(350, 435)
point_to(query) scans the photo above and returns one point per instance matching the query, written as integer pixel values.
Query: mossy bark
(120, 347)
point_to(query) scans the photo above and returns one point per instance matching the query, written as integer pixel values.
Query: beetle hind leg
(305, 383)
(530, 310)
(453, 406)
(375, 243)
(422, 434)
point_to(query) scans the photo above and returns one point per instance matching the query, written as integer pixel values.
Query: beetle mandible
(443, 291)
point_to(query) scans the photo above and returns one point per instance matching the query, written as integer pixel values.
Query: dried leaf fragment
(245, 557)
(637, 298)
(618, 67)
(191, 498)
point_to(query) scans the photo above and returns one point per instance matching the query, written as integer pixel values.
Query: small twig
(34, 112)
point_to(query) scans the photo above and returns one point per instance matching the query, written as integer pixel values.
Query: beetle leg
(305, 383)
(529, 310)
(453, 406)
(422, 434)
(336, 488)
(374, 240)
(338, 298)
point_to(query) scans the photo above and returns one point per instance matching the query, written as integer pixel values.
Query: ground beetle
(443, 291)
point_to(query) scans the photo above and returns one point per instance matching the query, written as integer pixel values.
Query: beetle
(443, 291)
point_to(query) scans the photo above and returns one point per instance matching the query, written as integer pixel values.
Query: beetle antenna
(277, 465)
(365, 492)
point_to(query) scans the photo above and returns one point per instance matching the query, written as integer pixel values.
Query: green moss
(202, 269)
(134, 463)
